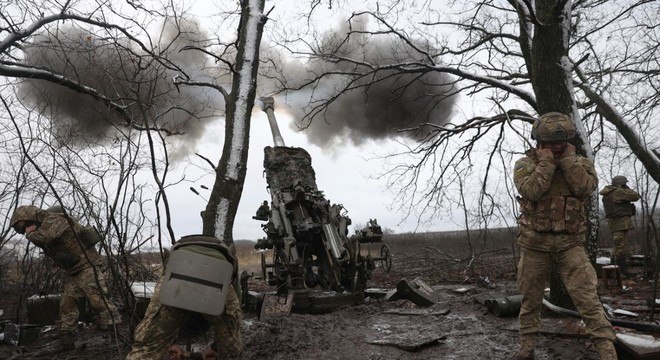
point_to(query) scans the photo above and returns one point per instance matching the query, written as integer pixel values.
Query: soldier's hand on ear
(30, 229)
(569, 150)
(545, 154)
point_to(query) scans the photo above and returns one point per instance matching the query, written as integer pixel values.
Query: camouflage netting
(286, 165)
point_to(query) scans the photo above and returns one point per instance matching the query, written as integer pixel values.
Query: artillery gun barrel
(306, 232)
(267, 104)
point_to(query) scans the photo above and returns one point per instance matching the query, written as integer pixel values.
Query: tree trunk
(551, 81)
(551, 78)
(218, 218)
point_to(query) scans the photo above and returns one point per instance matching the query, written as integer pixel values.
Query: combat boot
(105, 322)
(526, 351)
(623, 266)
(605, 348)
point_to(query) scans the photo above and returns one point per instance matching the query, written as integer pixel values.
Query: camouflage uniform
(617, 201)
(552, 226)
(83, 266)
(160, 325)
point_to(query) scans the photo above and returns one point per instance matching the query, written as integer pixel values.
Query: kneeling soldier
(196, 281)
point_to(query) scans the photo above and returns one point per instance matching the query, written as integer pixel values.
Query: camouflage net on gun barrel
(285, 166)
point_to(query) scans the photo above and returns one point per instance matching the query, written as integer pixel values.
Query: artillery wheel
(385, 258)
(281, 264)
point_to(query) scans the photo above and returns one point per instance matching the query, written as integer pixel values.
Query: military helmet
(553, 126)
(57, 209)
(23, 215)
(619, 180)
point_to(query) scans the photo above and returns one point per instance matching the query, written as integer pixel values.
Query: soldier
(554, 184)
(618, 201)
(65, 241)
(196, 284)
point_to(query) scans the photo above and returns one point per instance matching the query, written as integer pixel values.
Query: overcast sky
(346, 176)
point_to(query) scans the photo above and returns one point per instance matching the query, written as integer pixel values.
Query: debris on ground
(456, 324)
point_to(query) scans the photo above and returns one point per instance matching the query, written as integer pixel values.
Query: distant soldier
(618, 201)
(71, 247)
(196, 285)
(554, 184)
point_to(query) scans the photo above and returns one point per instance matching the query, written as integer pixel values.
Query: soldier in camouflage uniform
(554, 184)
(64, 241)
(618, 201)
(161, 323)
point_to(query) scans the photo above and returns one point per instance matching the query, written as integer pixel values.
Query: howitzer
(307, 233)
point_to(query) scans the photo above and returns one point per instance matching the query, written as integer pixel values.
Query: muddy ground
(459, 326)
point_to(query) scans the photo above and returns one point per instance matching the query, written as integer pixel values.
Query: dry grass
(249, 258)
(446, 253)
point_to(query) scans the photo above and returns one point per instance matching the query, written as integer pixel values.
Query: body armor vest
(557, 211)
(210, 242)
(195, 281)
(70, 254)
(617, 209)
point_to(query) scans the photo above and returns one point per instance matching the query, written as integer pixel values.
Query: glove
(569, 150)
(545, 154)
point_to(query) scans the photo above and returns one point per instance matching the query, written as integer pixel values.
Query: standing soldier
(196, 286)
(554, 184)
(71, 247)
(619, 208)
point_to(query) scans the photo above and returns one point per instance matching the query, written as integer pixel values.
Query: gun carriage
(308, 235)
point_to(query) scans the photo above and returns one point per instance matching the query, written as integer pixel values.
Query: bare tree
(230, 172)
(90, 106)
(116, 62)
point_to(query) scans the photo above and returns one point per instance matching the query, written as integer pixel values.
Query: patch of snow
(143, 289)
(221, 217)
(245, 84)
(384, 328)
(625, 313)
(639, 340)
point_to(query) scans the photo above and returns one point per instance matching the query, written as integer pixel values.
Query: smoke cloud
(128, 76)
(371, 107)
(376, 106)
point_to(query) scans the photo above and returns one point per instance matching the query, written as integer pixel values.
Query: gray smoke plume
(375, 106)
(126, 74)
